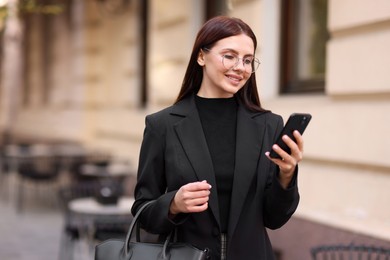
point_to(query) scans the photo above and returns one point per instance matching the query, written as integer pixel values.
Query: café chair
(98, 159)
(41, 172)
(350, 252)
(111, 227)
(4, 173)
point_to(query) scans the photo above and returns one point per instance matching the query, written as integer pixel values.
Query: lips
(234, 78)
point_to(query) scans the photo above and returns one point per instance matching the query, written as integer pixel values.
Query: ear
(200, 59)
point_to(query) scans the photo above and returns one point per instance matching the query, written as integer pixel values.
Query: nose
(239, 65)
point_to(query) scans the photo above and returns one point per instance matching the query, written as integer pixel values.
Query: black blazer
(174, 152)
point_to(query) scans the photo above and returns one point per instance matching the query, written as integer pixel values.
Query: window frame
(289, 80)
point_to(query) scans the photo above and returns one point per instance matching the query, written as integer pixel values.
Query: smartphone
(296, 121)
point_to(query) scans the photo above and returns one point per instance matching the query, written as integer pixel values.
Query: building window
(215, 7)
(303, 45)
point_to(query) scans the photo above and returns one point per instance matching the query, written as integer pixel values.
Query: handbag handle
(164, 253)
(132, 225)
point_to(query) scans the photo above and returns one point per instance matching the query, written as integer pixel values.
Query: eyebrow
(236, 52)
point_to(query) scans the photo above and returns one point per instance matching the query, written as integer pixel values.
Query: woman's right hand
(192, 197)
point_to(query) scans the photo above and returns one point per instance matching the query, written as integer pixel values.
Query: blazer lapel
(190, 133)
(250, 133)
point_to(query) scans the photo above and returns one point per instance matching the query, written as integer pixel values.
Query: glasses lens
(255, 65)
(230, 61)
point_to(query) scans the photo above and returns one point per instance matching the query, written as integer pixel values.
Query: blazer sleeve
(151, 181)
(280, 204)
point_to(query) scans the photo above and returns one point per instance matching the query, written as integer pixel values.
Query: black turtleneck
(219, 117)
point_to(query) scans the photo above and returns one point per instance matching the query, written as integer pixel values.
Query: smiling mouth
(234, 79)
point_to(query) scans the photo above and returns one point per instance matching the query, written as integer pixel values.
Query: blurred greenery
(320, 37)
(34, 6)
(31, 6)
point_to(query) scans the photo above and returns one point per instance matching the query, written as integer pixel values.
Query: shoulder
(158, 118)
(271, 122)
(174, 112)
(169, 116)
(160, 115)
(274, 118)
(269, 117)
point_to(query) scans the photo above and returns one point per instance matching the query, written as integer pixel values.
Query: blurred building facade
(93, 72)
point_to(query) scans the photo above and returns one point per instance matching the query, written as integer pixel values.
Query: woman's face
(221, 78)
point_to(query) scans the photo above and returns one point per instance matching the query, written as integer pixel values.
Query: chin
(233, 90)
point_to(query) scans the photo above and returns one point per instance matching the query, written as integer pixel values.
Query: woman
(205, 159)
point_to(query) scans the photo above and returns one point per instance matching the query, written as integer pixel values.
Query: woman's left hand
(288, 162)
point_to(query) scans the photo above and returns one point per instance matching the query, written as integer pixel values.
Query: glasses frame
(255, 62)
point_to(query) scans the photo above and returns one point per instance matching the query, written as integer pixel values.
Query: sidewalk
(32, 235)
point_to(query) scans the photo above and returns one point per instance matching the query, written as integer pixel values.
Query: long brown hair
(213, 30)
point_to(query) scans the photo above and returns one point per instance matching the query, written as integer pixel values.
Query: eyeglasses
(230, 61)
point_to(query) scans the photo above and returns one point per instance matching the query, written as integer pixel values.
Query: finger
(198, 208)
(195, 186)
(287, 140)
(279, 162)
(286, 165)
(282, 153)
(299, 139)
(189, 204)
(296, 151)
(295, 147)
(199, 201)
(196, 195)
(200, 194)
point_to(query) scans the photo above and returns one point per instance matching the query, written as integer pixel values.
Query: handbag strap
(172, 234)
(133, 224)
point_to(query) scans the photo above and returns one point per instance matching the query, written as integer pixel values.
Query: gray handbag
(115, 249)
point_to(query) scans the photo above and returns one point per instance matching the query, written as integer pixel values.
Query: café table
(88, 212)
(90, 206)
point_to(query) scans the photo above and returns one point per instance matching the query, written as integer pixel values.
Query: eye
(248, 61)
(229, 57)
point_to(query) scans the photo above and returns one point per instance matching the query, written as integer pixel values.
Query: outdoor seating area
(93, 211)
(88, 191)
